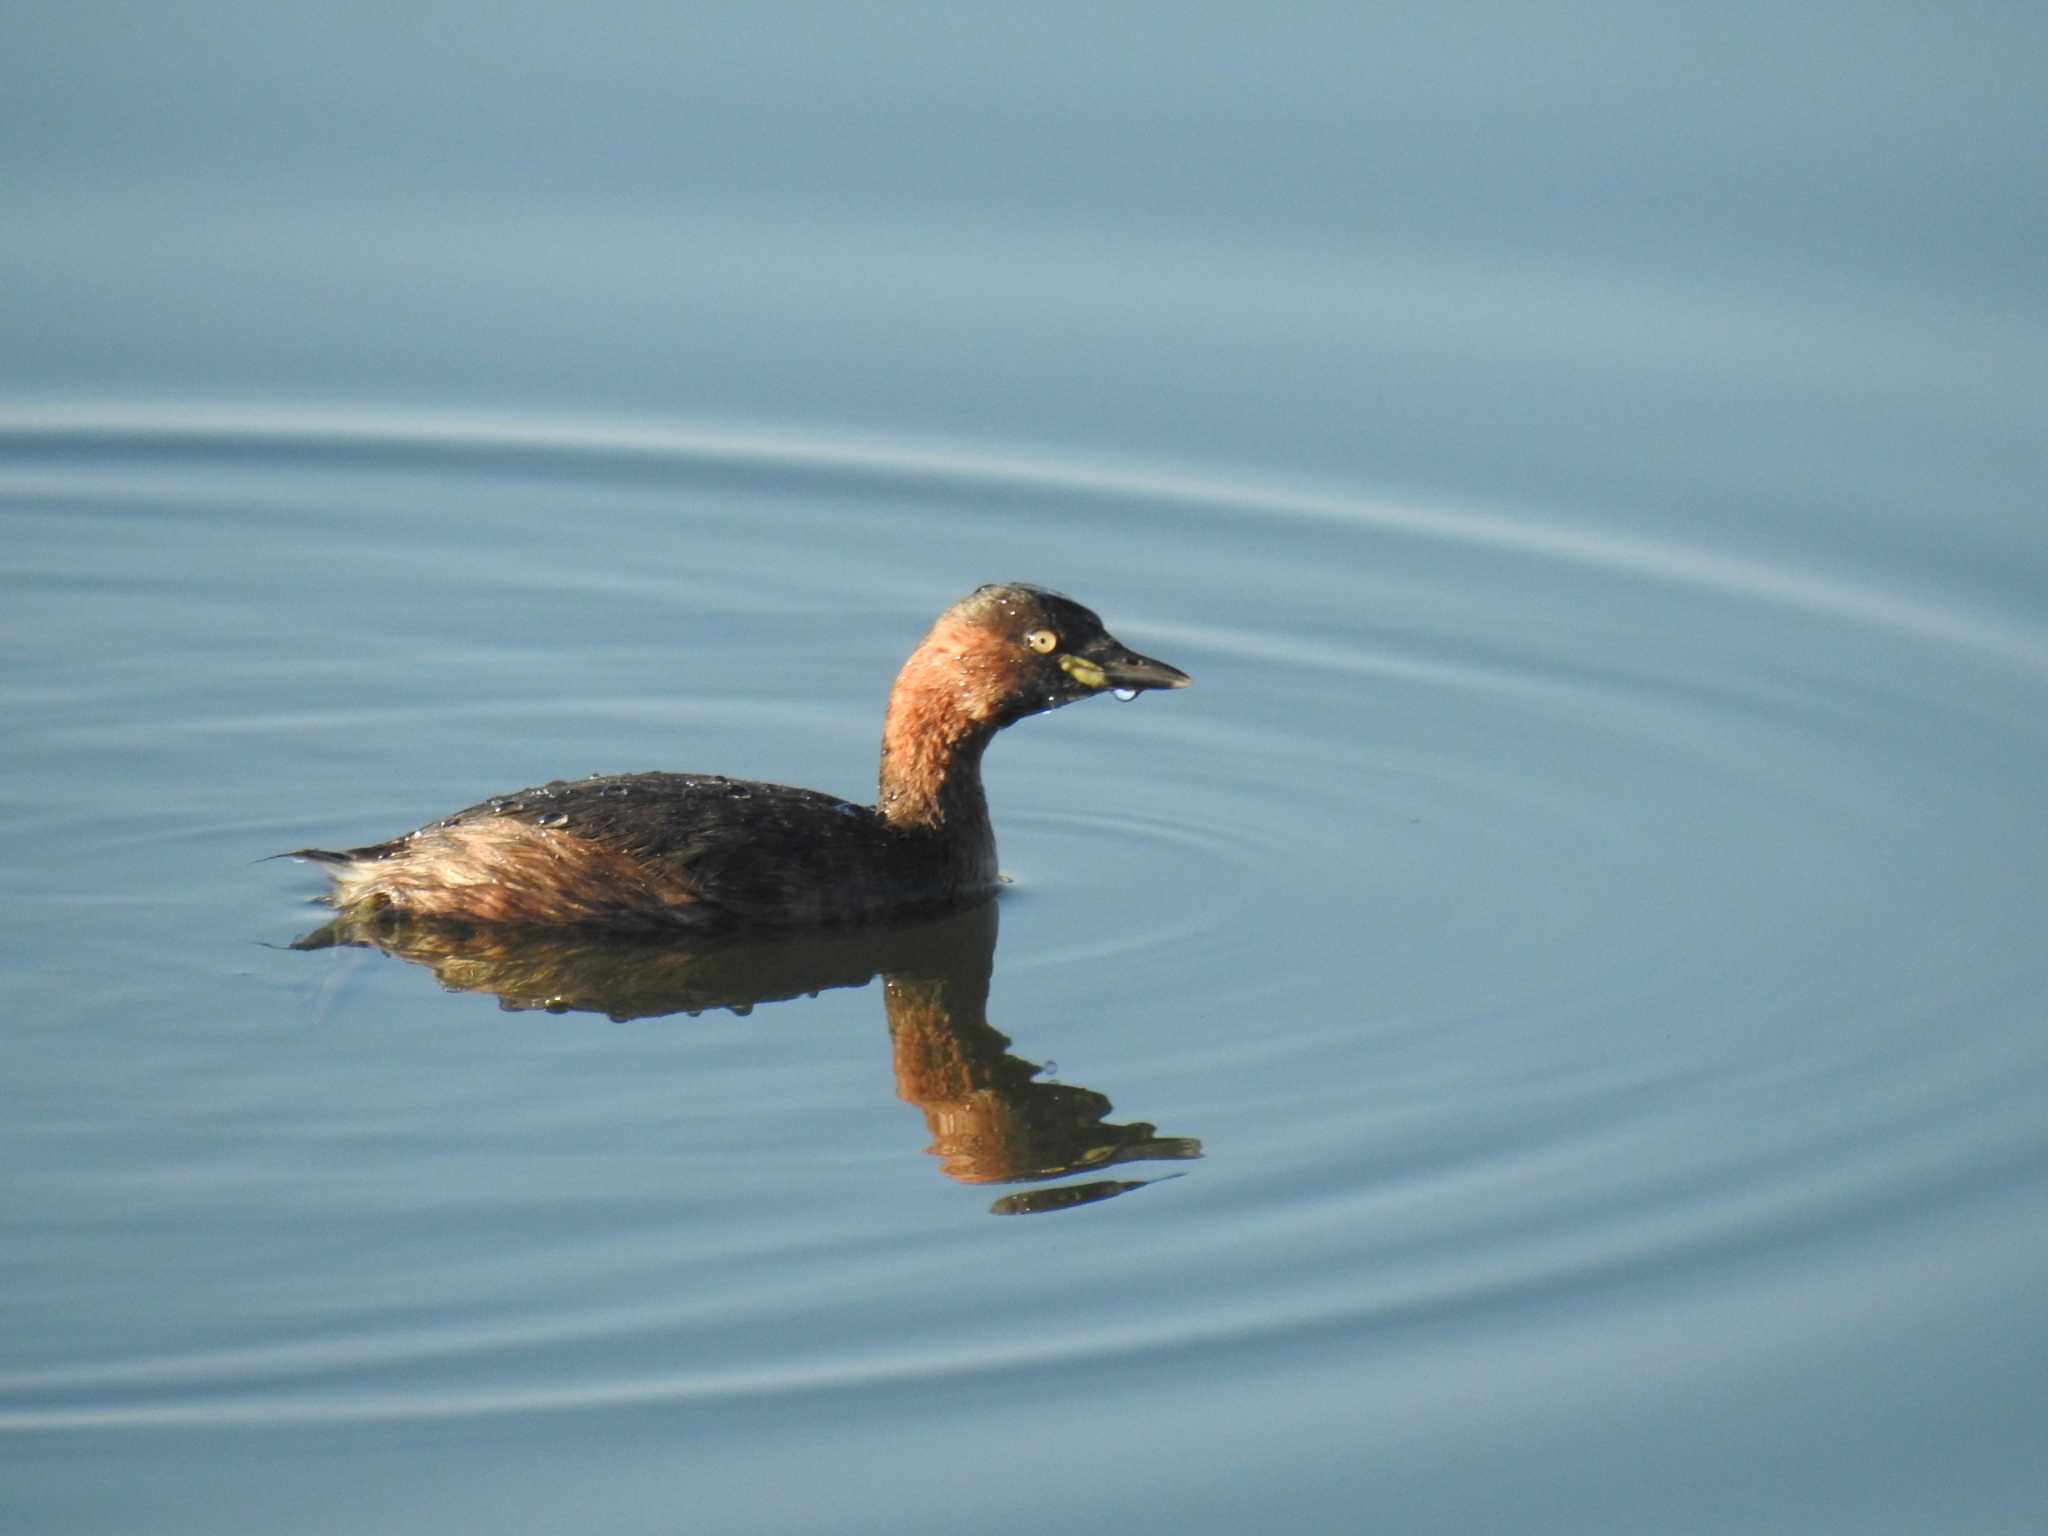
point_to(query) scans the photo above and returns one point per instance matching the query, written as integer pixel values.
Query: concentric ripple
(1533, 922)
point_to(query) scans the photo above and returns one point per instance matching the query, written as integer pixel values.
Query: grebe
(701, 851)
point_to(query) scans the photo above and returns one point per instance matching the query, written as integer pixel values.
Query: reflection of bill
(992, 1120)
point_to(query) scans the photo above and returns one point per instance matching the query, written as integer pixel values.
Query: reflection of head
(991, 1120)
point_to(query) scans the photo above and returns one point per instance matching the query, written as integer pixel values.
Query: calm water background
(1589, 907)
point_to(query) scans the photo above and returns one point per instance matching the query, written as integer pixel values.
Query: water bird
(656, 851)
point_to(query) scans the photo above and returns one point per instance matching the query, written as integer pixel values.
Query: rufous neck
(941, 716)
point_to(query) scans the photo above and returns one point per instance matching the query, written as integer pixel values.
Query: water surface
(1584, 915)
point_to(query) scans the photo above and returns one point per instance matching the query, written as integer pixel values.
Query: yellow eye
(1043, 641)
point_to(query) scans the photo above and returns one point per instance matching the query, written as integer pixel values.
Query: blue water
(1586, 910)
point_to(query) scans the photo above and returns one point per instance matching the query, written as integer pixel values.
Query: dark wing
(758, 852)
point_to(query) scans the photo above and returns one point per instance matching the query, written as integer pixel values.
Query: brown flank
(504, 870)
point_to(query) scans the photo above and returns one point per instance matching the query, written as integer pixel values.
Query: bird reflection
(992, 1119)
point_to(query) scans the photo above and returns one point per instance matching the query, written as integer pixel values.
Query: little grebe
(698, 851)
